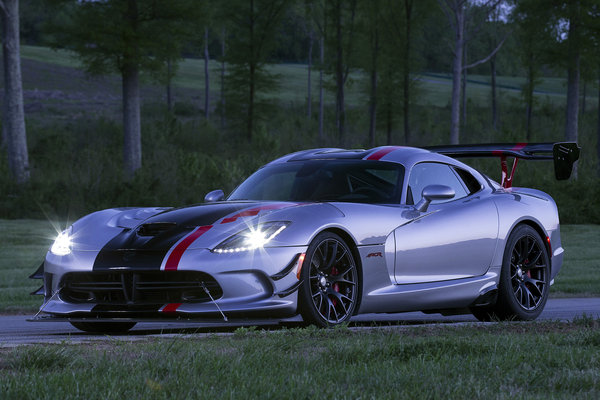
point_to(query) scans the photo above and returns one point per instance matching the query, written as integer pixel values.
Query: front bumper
(256, 283)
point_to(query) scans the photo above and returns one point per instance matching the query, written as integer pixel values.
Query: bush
(76, 163)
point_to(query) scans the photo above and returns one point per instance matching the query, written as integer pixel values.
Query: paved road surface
(15, 330)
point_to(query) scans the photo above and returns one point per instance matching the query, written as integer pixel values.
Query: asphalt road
(16, 330)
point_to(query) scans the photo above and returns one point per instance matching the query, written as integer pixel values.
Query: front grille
(138, 287)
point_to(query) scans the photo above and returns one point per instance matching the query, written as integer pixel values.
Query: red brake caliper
(336, 285)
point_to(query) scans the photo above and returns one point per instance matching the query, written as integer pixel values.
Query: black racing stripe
(128, 250)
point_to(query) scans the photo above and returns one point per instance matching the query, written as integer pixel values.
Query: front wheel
(104, 327)
(524, 279)
(330, 282)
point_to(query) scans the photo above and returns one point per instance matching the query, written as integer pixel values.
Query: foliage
(251, 41)
(109, 34)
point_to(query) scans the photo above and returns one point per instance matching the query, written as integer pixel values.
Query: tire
(524, 280)
(330, 289)
(104, 327)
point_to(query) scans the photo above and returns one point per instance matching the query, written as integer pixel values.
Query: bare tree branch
(483, 60)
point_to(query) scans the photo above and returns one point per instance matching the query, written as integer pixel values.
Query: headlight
(251, 238)
(62, 244)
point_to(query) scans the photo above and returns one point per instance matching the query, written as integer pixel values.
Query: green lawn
(23, 245)
(580, 273)
(537, 360)
(432, 88)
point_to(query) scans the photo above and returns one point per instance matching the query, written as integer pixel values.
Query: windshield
(357, 181)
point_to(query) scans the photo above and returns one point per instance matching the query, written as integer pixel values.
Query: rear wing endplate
(564, 155)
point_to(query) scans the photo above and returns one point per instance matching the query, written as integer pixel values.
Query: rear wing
(564, 155)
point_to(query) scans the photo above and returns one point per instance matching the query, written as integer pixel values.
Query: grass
(23, 245)
(580, 274)
(433, 88)
(505, 361)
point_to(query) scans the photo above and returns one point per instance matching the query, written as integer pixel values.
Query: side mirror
(434, 192)
(215, 195)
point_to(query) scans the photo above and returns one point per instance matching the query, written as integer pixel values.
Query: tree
(592, 21)
(317, 12)
(455, 11)
(121, 35)
(206, 76)
(533, 31)
(223, 72)
(573, 72)
(14, 116)
(574, 15)
(401, 24)
(343, 13)
(369, 25)
(252, 38)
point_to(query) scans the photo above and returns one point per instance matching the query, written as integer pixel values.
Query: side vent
(155, 228)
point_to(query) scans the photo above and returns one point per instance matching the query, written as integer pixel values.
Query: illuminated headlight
(251, 238)
(62, 244)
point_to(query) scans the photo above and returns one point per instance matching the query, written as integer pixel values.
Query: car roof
(405, 155)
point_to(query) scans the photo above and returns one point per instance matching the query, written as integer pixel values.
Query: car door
(453, 239)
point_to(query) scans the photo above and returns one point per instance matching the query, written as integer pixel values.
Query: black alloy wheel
(528, 270)
(330, 289)
(524, 280)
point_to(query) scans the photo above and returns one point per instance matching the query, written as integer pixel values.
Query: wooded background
(149, 102)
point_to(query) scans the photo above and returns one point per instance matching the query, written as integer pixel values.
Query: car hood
(162, 228)
(143, 243)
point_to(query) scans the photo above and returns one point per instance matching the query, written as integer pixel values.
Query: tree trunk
(407, 57)
(340, 112)
(583, 96)
(223, 78)
(252, 70)
(206, 76)
(529, 96)
(321, 100)
(4, 140)
(250, 115)
(463, 90)
(598, 129)
(14, 115)
(457, 75)
(132, 147)
(373, 95)
(389, 124)
(309, 85)
(169, 93)
(571, 128)
(494, 102)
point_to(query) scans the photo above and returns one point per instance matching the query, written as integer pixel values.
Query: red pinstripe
(175, 256)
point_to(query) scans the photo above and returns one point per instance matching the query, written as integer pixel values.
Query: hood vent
(155, 228)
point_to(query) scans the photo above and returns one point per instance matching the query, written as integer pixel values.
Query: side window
(469, 180)
(426, 174)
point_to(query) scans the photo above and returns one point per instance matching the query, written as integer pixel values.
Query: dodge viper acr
(324, 233)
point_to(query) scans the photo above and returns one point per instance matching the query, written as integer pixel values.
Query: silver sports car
(324, 233)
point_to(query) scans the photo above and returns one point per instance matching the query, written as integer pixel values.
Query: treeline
(389, 41)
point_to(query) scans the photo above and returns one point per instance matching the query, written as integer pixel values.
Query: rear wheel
(104, 327)
(524, 279)
(330, 287)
